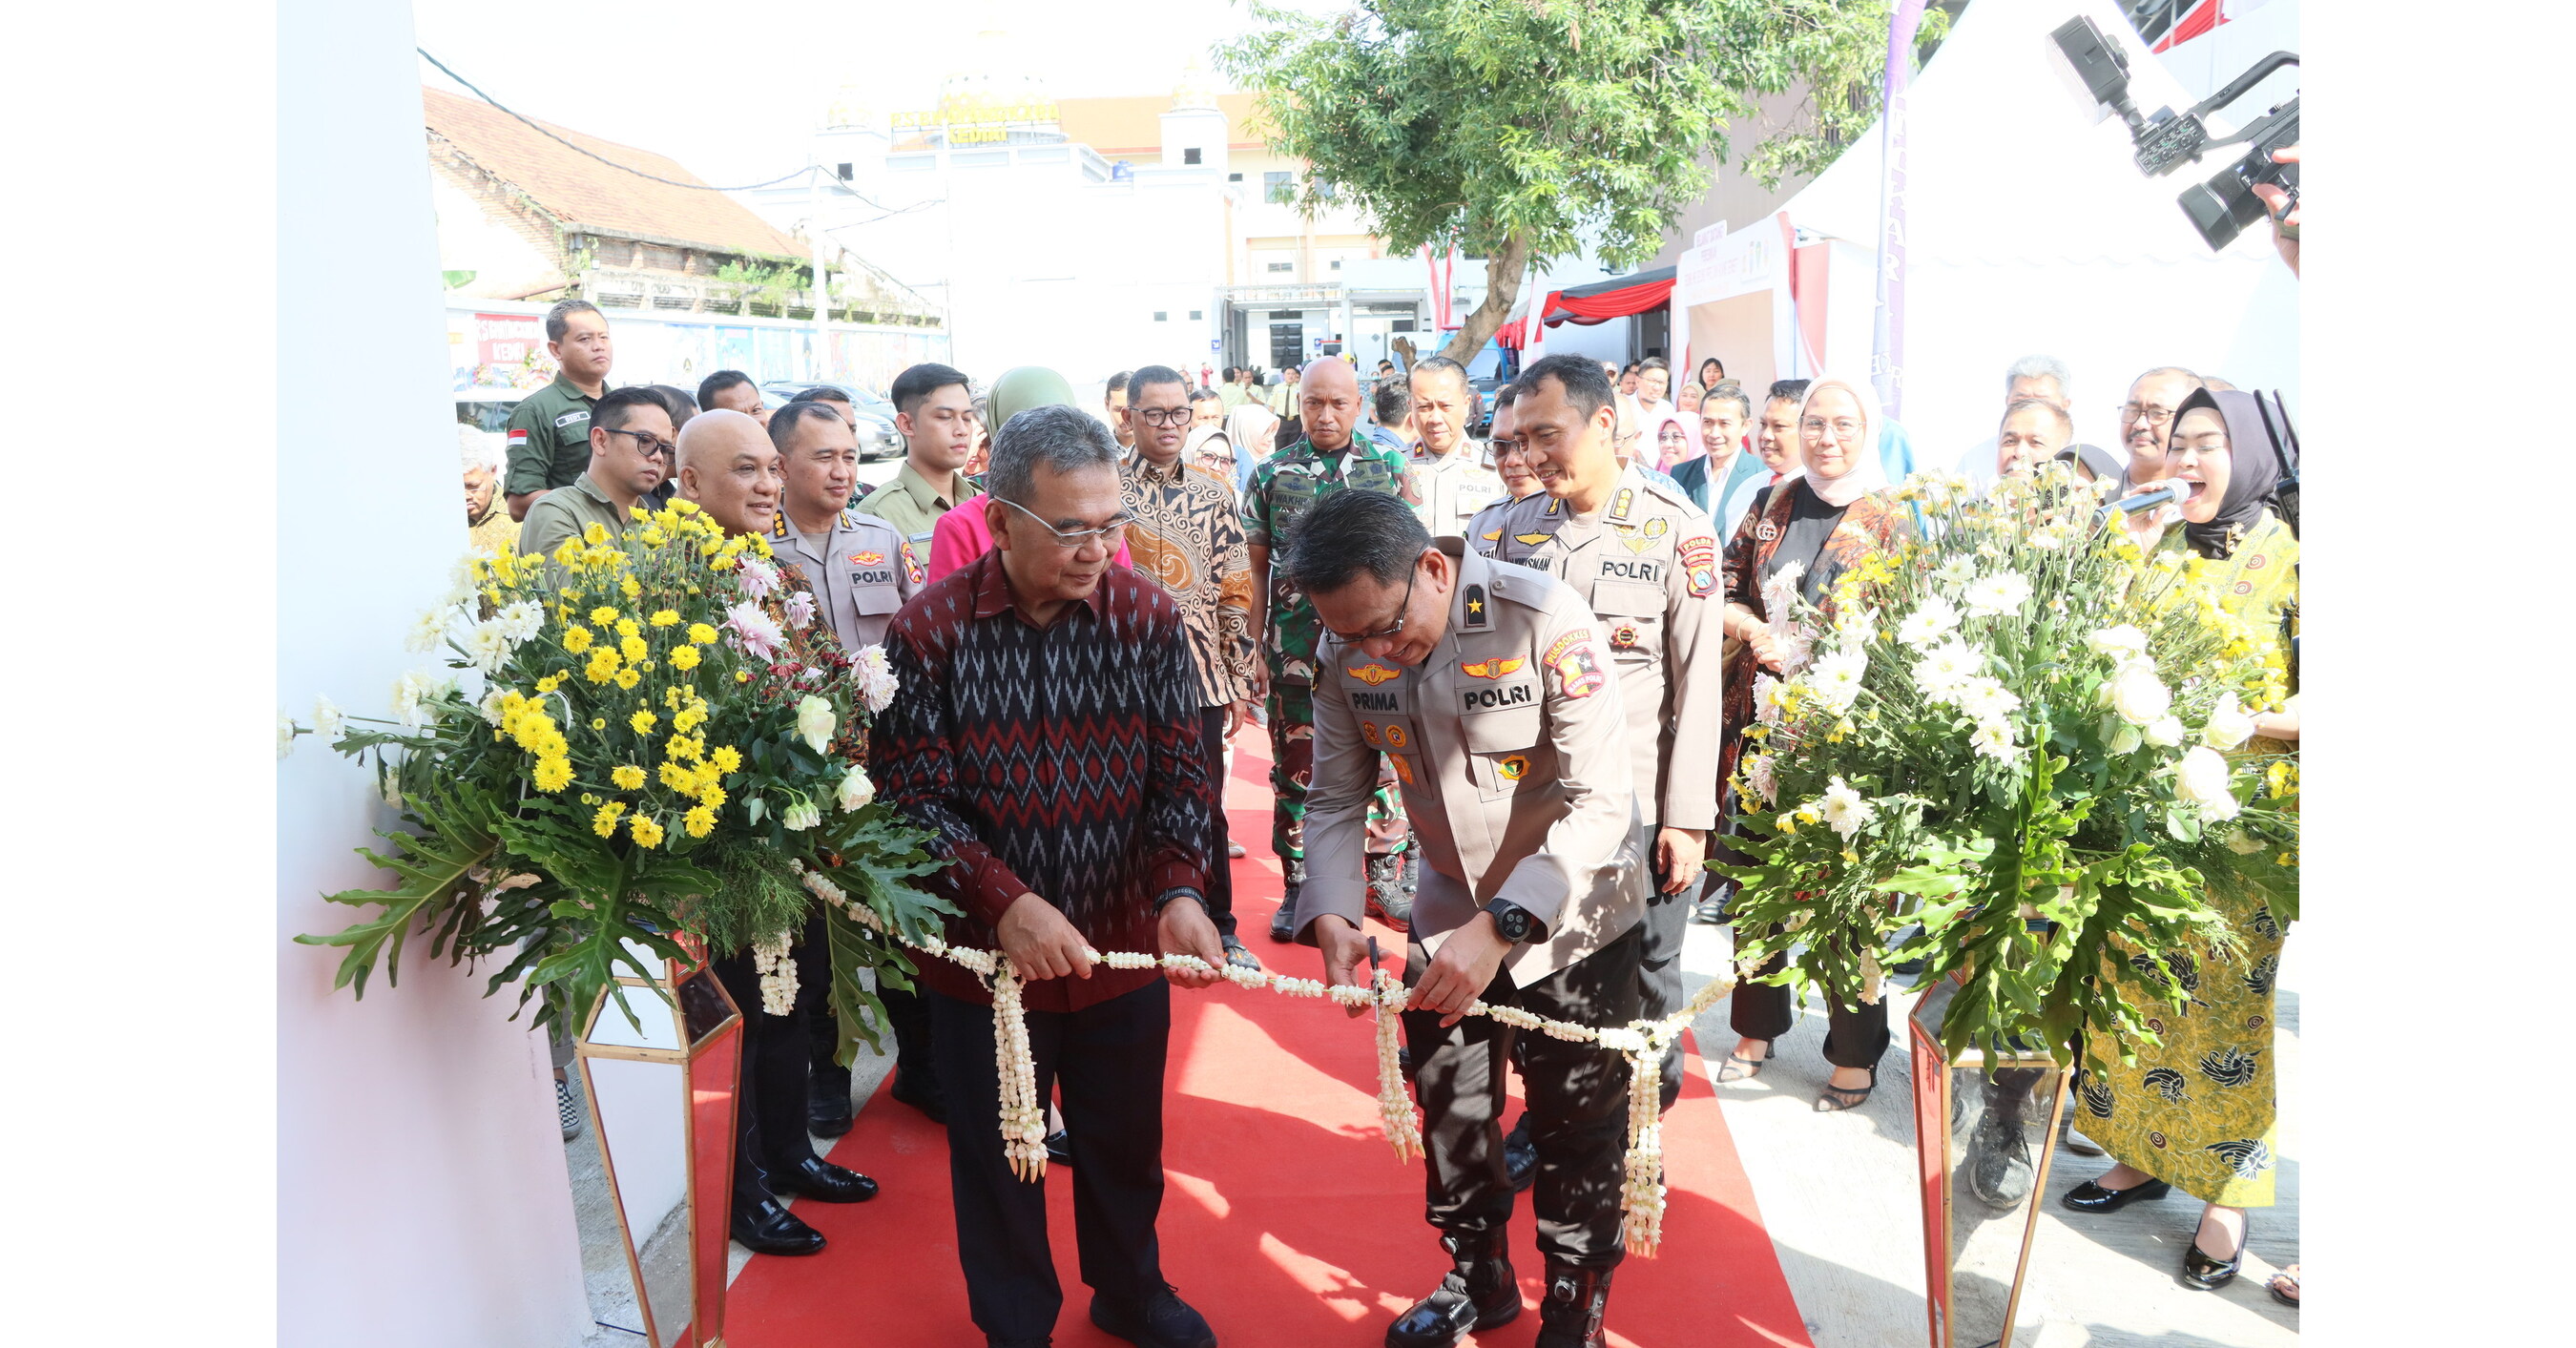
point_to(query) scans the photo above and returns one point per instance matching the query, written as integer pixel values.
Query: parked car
(877, 437)
(488, 410)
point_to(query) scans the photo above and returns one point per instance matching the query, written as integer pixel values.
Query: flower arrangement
(2027, 735)
(658, 742)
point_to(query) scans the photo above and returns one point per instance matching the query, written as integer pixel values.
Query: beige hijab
(1867, 473)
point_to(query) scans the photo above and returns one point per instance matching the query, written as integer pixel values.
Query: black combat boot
(1479, 1292)
(1570, 1317)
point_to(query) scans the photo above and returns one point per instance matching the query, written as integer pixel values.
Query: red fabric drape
(1586, 310)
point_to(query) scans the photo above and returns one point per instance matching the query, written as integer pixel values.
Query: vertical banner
(1887, 339)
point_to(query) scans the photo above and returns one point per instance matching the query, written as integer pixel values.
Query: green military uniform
(567, 513)
(909, 503)
(549, 438)
(1283, 488)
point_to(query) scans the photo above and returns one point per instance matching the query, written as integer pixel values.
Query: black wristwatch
(1511, 920)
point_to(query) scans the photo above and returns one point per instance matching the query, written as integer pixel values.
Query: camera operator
(2282, 205)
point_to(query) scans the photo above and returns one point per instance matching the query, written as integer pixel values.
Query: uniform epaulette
(1520, 585)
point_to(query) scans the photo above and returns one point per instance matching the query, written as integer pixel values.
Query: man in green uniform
(934, 411)
(1284, 487)
(549, 438)
(630, 449)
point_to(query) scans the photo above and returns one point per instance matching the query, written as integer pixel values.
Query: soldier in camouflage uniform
(1282, 489)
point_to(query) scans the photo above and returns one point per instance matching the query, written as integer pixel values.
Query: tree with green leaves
(1525, 129)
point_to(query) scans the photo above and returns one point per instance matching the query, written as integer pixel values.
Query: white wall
(422, 1198)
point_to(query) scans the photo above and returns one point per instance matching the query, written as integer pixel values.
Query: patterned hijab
(2253, 477)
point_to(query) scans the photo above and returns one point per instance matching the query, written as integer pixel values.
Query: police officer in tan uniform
(1447, 479)
(1645, 559)
(1490, 690)
(854, 564)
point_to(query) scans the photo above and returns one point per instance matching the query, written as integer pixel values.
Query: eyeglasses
(1162, 416)
(1106, 535)
(1402, 607)
(1844, 429)
(2153, 416)
(653, 445)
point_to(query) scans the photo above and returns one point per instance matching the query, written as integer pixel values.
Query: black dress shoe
(822, 1181)
(1570, 1316)
(905, 1091)
(2091, 1197)
(827, 1109)
(767, 1227)
(2203, 1272)
(1520, 1156)
(1479, 1292)
(1165, 1321)
(1059, 1147)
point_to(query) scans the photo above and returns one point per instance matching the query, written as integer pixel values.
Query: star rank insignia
(1476, 607)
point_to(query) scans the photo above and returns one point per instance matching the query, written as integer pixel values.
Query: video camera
(2222, 207)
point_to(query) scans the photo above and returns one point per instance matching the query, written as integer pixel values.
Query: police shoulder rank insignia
(1578, 670)
(1490, 669)
(1476, 617)
(1554, 505)
(866, 558)
(1512, 767)
(1619, 505)
(1371, 674)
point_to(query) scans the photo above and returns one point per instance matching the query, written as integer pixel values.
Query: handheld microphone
(2163, 493)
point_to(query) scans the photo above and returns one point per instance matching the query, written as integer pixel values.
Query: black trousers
(769, 1114)
(1578, 1106)
(1220, 869)
(905, 1016)
(1659, 962)
(1853, 1038)
(1108, 1061)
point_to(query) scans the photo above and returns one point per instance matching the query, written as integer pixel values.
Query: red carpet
(1288, 1220)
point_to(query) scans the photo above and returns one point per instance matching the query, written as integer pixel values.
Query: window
(1276, 187)
(1404, 325)
(1283, 266)
(1162, 315)
(843, 170)
(1197, 315)
(1190, 155)
(1337, 264)
(1234, 177)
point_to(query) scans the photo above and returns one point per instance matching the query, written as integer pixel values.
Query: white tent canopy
(2030, 230)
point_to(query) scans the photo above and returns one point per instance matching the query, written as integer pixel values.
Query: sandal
(1839, 1098)
(1745, 1069)
(2284, 1286)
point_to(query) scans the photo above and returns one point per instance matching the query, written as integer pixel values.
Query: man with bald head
(1324, 460)
(729, 467)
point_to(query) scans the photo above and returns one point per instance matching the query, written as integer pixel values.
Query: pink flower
(800, 610)
(759, 578)
(752, 632)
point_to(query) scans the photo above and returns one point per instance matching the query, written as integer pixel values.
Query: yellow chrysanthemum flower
(550, 683)
(664, 617)
(720, 562)
(627, 776)
(626, 627)
(679, 778)
(685, 657)
(727, 758)
(688, 720)
(603, 615)
(682, 749)
(647, 833)
(653, 538)
(711, 795)
(553, 774)
(595, 533)
(699, 822)
(633, 648)
(643, 721)
(604, 823)
(602, 667)
(567, 554)
(576, 639)
(627, 678)
(701, 635)
(685, 507)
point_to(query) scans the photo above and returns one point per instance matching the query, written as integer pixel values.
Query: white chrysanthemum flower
(488, 646)
(490, 706)
(2228, 725)
(1796, 649)
(1769, 704)
(801, 816)
(412, 694)
(2048, 538)
(522, 621)
(1945, 668)
(1985, 698)
(1928, 624)
(2165, 731)
(1994, 739)
(2123, 642)
(460, 577)
(428, 631)
(814, 721)
(1835, 681)
(856, 789)
(1955, 572)
(2201, 779)
(285, 736)
(1846, 811)
(753, 632)
(876, 679)
(1761, 776)
(1857, 628)
(800, 610)
(2139, 696)
(1998, 596)
(329, 722)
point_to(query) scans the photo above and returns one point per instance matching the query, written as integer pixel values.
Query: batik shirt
(1185, 535)
(1284, 488)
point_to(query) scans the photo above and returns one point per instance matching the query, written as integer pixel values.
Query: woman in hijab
(1674, 437)
(961, 536)
(2199, 1111)
(1802, 533)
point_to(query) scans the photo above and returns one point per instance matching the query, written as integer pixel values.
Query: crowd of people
(1503, 683)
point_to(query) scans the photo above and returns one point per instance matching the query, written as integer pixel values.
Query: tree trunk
(1502, 286)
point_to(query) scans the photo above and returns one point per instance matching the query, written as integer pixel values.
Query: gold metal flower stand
(661, 1086)
(1985, 1129)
